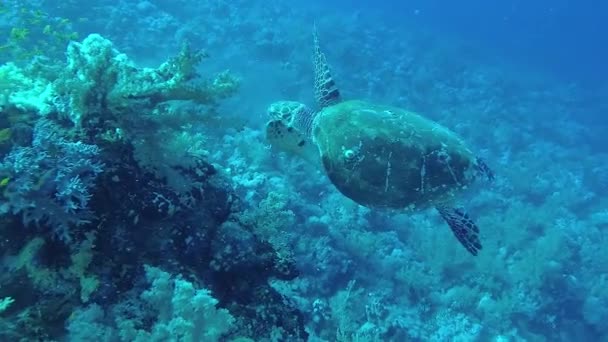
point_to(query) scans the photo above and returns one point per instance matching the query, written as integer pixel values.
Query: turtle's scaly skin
(326, 91)
(294, 114)
(382, 156)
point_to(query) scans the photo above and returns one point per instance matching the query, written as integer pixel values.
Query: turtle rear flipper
(483, 169)
(289, 139)
(462, 226)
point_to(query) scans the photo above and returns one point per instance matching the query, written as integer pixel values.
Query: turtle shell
(381, 156)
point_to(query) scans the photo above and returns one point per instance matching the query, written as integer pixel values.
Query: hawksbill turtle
(379, 156)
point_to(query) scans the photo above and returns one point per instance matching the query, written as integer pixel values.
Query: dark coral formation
(85, 211)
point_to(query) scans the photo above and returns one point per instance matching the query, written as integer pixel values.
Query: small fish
(4, 181)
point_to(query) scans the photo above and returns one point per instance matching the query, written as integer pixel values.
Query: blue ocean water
(562, 37)
(169, 171)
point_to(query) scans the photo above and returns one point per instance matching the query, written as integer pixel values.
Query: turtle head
(289, 129)
(293, 114)
(285, 110)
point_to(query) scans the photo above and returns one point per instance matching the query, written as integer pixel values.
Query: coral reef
(86, 204)
(128, 147)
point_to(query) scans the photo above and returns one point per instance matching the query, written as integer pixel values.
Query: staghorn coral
(99, 78)
(97, 84)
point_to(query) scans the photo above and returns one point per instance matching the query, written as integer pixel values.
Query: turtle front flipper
(326, 91)
(462, 226)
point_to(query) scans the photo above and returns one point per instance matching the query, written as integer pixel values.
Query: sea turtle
(377, 155)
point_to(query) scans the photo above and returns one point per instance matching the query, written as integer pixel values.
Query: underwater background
(141, 201)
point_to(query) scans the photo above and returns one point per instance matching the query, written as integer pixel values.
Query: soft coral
(50, 180)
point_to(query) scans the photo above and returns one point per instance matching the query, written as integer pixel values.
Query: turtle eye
(349, 154)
